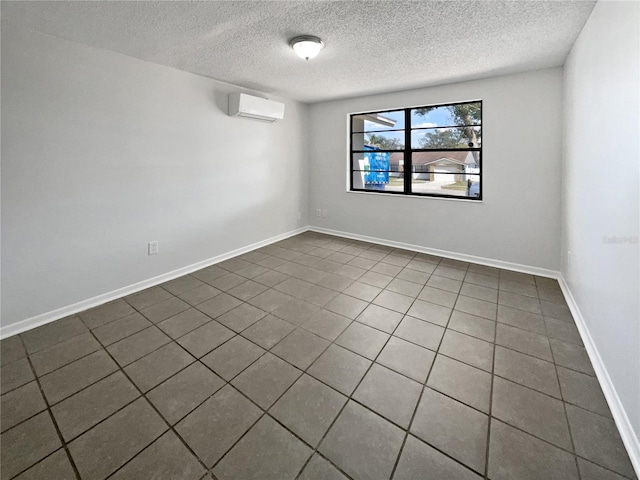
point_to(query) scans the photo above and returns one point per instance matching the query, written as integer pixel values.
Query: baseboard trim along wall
(44, 318)
(516, 267)
(629, 437)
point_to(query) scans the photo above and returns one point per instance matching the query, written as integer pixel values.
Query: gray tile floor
(314, 358)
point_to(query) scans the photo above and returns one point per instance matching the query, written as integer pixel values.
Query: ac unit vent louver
(248, 106)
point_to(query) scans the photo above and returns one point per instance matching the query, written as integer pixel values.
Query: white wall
(600, 191)
(516, 222)
(102, 153)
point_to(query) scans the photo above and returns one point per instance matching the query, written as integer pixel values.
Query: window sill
(450, 199)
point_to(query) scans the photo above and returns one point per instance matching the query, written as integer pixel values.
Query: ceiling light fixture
(306, 46)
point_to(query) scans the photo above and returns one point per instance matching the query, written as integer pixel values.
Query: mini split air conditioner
(243, 105)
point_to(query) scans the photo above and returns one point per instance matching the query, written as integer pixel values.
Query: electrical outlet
(318, 213)
(153, 248)
(324, 213)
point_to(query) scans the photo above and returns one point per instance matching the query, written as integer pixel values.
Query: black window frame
(408, 151)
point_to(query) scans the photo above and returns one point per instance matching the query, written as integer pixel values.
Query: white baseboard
(44, 318)
(629, 437)
(541, 272)
(627, 433)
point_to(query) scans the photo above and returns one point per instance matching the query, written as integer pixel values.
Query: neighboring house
(442, 166)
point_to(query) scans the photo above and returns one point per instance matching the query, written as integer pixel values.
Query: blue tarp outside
(378, 166)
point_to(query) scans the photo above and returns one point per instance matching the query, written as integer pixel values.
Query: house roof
(426, 158)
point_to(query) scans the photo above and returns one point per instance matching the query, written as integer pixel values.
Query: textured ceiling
(370, 46)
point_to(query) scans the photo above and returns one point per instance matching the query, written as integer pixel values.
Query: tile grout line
(51, 406)
(349, 398)
(55, 424)
(424, 385)
(148, 402)
(41, 376)
(143, 395)
(118, 365)
(120, 368)
(100, 343)
(265, 412)
(566, 415)
(415, 411)
(136, 310)
(69, 363)
(489, 416)
(327, 347)
(304, 372)
(296, 326)
(489, 420)
(175, 340)
(492, 373)
(198, 360)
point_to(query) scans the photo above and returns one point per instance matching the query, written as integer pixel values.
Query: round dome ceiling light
(306, 46)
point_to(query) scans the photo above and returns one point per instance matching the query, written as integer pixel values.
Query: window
(433, 151)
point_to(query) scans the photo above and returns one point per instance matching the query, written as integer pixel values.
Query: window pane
(378, 171)
(357, 161)
(371, 122)
(378, 141)
(378, 181)
(446, 116)
(456, 137)
(443, 159)
(445, 173)
(453, 186)
(378, 161)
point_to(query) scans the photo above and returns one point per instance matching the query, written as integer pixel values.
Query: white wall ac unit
(243, 105)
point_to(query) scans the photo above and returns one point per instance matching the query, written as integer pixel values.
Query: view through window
(434, 150)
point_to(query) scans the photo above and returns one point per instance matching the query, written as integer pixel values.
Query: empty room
(320, 240)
